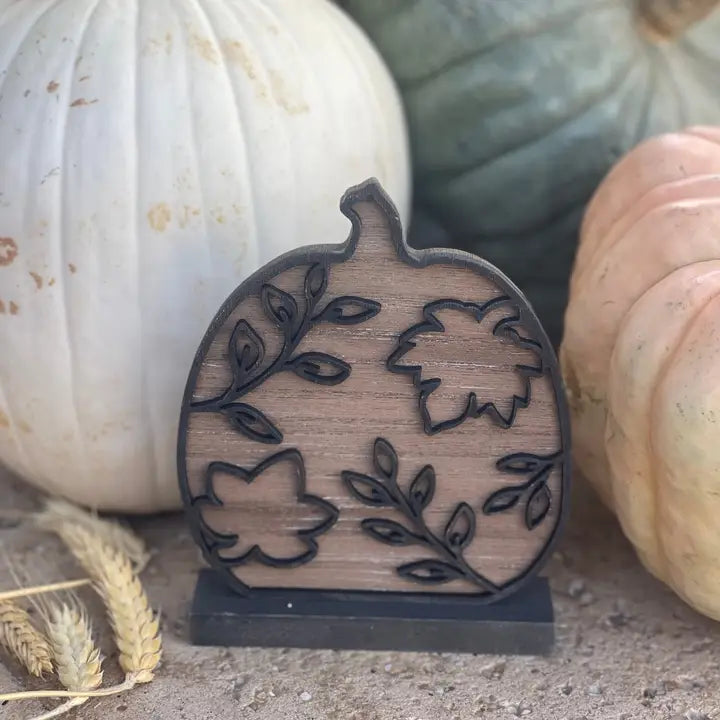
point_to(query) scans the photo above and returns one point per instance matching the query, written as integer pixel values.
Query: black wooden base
(521, 624)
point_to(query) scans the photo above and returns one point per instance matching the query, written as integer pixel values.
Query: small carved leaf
(538, 506)
(463, 395)
(460, 530)
(246, 352)
(279, 306)
(422, 489)
(252, 423)
(287, 467)
(367, 489)
(349, 310)
(521, 463)
(388, 531)
(316, 281)
(429, 572)
(320, 368)
(503, 499)
(386, 459)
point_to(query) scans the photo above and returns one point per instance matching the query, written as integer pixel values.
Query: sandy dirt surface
(626, 647)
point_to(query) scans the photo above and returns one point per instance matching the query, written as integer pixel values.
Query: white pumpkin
(152, 155)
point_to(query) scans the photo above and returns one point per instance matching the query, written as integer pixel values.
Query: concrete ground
(626, 648)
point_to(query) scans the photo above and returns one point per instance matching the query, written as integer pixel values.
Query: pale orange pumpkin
(641, 356)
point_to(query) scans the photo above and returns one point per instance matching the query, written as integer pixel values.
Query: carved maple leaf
(289, 465)
(500, 321)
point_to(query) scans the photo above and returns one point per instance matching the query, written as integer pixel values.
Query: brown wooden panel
(430, 453)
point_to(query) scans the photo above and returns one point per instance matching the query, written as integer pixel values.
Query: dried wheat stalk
(127, 684)
(111, 555)
(61, 709)
(58, 514)
(76, 659)
(24, 592)
(24, 640)
(135, 626)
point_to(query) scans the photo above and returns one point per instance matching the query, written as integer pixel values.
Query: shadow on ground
(626, 646)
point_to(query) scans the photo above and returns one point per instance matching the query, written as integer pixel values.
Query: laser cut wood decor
(367, 418)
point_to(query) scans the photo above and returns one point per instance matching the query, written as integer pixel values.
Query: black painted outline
(503, 328)
(216, 541)
(450, 564)
(535, 489)
(371, 191)
(282, 309)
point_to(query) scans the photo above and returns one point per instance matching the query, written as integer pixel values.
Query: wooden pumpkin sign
(375, 421)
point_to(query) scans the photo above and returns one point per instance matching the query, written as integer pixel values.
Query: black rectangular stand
(521, 624)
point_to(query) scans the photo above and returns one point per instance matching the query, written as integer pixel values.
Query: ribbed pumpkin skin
(641, 356)
(517, 109)
(155, 153)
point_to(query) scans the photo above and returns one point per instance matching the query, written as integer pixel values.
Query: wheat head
(23, 640)
(135, 626)
(58, 515)
(77, 660)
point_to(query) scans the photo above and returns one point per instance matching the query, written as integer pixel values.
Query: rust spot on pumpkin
(37, 278)
(159, 217)
(72, 268)
(155, 46)
(572, 385)
(51, 282)
(205, 48)
(187, 214)
(14, 308)
(8, 250)
(4, 420)
(2, 307)
(82, 102)
(283, 96)
(52, 86)
(235, 53)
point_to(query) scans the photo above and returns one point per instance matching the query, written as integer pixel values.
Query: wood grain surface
(334, 427)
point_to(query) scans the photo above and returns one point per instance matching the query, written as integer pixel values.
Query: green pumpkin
(517, 108)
